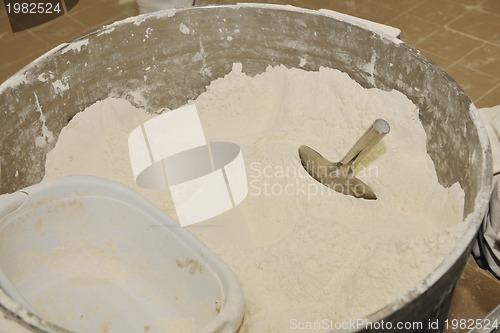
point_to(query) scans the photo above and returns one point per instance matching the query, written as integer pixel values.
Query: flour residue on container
(140, 19)
(47, 135)
(75, 46)
(202, 56)
(137, 96)
(106, 30)
(44, 77)
(184, 29)
(302, 62)
(370, 69)
(59, 86)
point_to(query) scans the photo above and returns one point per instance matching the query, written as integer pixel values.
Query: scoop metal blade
(340, 176)
(331, 175)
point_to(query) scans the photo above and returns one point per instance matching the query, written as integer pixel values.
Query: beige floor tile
(93, 18)
(492, 7)
(448, 44)
(413, 28)
(58, 31)
(399, 5)
(475, 84)
(490, 99)
(6, 73)
(471, 4)
(374, 12)
(6, 33)
(438, 11)
(129, 9)
(481, 25)
(20, 47)
(476, 294)
(14, 67)
(442, 62)
(82, 4)
(485, 59)
(4, 21)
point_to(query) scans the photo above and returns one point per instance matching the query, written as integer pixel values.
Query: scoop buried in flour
(340, 176)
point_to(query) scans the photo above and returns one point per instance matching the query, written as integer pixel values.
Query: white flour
(302, 252)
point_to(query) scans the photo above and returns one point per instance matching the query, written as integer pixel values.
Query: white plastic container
(90, 255)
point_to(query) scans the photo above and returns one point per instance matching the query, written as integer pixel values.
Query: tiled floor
(462, 36)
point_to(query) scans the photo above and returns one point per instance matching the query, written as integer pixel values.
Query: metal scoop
(340, 176)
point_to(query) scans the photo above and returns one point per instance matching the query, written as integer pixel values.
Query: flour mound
(302, 252)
